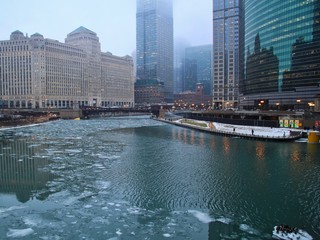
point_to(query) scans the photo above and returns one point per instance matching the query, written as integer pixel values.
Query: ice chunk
(202, 217)
(3, 210)
(248, 229)
(167, 235)
(73, 150)
(15, 233)
(103, 184)
(224, 220)
(118, 232)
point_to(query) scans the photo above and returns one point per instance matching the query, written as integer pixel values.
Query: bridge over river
(251, 118)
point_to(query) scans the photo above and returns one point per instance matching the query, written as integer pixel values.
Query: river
(137, 178)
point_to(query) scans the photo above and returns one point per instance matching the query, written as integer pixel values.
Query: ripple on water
(166, 197)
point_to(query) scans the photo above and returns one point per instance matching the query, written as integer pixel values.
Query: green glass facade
(282, 56)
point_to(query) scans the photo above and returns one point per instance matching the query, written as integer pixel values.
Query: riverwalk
(240, 131)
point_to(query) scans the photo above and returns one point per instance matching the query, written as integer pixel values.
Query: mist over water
(136, 178)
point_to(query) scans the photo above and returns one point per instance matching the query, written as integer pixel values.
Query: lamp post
(311, 106)
(298, 103)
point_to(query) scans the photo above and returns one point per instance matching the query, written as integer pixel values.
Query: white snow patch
(242, 129)
(257, 131)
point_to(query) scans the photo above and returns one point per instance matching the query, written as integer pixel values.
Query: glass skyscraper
(197, 68)
(154, 26)
(282, 56)
(227, 52)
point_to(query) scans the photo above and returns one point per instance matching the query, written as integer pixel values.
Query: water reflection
(312, 151)
(226, 145)
(309, 154)
(20, 164)
(260, 151)
(188, 136)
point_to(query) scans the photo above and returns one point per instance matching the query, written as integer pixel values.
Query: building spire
(257, 46)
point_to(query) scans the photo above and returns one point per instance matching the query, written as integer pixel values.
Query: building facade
(227, 63)
(39, 73)
(179, 58)
(117, 83)
(154, 33)
(282, 67)
(88, 41)
(197, 68)
(194, 100)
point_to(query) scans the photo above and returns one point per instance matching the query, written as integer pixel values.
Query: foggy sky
(114, 21)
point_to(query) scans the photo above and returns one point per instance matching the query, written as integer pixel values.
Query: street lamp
(311, 106)
(298, 103)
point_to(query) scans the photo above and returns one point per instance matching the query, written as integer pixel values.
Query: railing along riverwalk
(294, 135)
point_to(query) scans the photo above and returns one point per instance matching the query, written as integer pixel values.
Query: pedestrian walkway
(249, 132)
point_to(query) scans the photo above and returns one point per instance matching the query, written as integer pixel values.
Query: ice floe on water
(13, 208)
(103, 184)
(73, 150)
(224, 220)
(32, 221)
(202, 217)
(167, 235)
(248, 229)
(118, 232)
(18, 233)
(205, 218)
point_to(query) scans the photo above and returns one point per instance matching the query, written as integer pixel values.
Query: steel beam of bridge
(91, 111)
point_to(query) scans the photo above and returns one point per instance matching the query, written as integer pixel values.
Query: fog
(113, 20)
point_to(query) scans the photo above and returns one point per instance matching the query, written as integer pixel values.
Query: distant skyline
(114, 21)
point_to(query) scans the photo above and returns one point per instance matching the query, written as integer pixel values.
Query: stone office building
(39, 73)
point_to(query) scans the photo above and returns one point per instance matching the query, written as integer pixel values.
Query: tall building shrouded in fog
(154, 33)
(227, 63)
(282, 68)
(197, 68)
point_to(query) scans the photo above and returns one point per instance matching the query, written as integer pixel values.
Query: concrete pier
(254, 136)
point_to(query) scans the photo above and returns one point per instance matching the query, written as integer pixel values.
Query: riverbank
(241, 131)
(26, 121)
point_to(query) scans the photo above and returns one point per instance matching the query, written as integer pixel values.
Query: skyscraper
(197, 68)
(282, 68)
(227, 52)
(154, 51)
